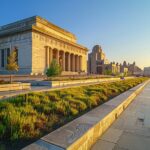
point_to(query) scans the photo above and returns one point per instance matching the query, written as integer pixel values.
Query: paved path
(8, 94)
(131, 131)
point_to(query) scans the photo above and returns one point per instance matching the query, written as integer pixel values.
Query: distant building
(96, 60)
(124, 68)
(111, 68)
(146, 71)
(132, 69)
(98, 64)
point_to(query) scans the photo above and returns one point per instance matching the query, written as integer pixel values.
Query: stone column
(57, 56)
(47, 49)
(76, 63)
(46, 65)
(73, 63)
(64, 68)
(80, 63)
(69, 61)
(50, 55)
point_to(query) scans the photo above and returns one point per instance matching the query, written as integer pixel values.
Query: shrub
(63, 108)
(34, 99)
(53, 96)
(74, 111)
(2, 130)
(54, 69)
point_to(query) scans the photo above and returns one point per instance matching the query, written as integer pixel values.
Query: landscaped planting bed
(4, 82)
(26, 118)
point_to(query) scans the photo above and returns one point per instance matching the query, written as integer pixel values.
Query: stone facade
(98, 64)
(146, 71)
(38, 42)
(131, 69)
(113, 67)
(96, 60)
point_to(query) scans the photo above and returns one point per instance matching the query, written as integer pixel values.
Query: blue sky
(121, 27)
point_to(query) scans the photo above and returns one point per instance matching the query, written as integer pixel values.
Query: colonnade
(68, 61)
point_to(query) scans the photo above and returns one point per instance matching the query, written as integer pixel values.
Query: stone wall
(15, 87)
(23, 42)
(39, 44)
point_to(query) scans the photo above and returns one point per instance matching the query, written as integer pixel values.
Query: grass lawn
(25, 118)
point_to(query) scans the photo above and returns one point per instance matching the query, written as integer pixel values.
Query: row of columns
(68, 61)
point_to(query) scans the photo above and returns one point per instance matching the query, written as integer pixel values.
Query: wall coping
(72, 82)
(14, 86)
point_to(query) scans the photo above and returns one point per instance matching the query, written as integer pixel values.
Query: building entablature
(48, 31)
(60, 41)
(36, 21)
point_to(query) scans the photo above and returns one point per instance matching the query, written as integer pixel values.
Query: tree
(54, 69)
(107, 72)
(12, 63)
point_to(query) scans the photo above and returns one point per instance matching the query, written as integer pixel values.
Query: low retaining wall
(14, 87)
(73, 82)
(83, 132)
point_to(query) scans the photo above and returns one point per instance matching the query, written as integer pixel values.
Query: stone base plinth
(15, 87)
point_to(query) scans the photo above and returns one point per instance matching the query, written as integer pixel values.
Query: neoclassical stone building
(37, 43)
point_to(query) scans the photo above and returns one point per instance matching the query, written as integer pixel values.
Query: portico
(63, 58)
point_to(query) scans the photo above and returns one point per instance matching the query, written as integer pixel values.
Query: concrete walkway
(8, 94)
(131, 131)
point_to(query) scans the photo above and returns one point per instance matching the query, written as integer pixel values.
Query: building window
(8, 54)
(2, 58)
(96, 56)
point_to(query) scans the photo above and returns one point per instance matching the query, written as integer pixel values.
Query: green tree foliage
(12, 63)
(54, 69)
(107, 72)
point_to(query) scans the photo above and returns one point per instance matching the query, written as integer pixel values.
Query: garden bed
(26, 118)
(4, 82)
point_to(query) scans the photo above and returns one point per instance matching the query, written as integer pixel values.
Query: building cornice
(39, 30)
(55, 27)
(31, 24)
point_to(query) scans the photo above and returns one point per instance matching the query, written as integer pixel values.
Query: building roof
(39, 24)
(27, 23)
